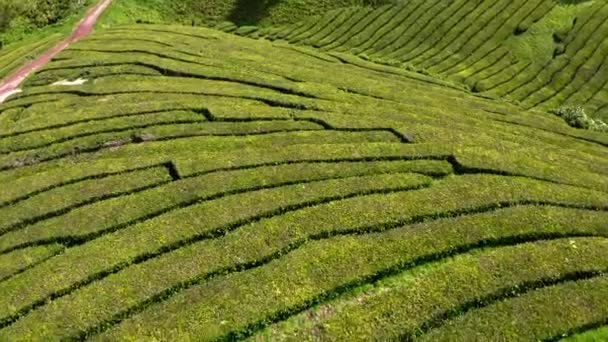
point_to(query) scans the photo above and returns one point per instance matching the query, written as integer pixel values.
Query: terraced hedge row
(543, 53)
(205, 186)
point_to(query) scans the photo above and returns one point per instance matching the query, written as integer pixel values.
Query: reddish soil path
(84, 27)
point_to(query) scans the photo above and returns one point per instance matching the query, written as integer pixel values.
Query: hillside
(183, 147)
(176, 183)
(541, 53)
(241, 12)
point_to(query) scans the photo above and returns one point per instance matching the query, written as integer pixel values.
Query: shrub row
(20, 260)
(57, 201)
(242, 302)
(453, 195)
(225, 206)
(437, 37)
(550, 313)
(116, 137)
(418, 300)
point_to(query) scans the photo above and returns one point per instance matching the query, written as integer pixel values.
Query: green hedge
(240, 303)
(426, 297)
(18, 261)
(228, 211)
(550, 313)
(57, 201)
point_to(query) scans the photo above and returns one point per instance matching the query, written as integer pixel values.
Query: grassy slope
(269, 12)
(265, 190)
(542, 54)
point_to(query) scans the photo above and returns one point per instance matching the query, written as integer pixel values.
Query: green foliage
(27, 28)
(14, 262)
(205, 186)
(28, 15)
(539, 53)
(241, 12)
(594, 335)
(575, 116)
(551, 312)
(416, 300)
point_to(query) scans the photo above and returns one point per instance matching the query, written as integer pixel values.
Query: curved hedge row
(205, 186)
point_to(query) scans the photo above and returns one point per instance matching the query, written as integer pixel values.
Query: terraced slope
(205, 186)
(541, 53)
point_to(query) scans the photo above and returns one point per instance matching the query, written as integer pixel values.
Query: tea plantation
(204, 186)
(540, 53)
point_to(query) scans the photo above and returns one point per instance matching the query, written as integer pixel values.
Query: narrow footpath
(10, 85)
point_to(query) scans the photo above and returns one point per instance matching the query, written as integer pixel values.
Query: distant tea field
(540, 53)
(181, 183)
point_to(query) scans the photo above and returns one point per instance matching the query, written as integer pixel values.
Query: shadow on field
(250, 12)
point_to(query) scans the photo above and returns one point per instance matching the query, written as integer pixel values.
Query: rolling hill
(200, 185)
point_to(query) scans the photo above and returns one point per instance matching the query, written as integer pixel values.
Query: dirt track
(82, 29)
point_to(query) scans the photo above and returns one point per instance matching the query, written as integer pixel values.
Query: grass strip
(23, 186)
(114, 161)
